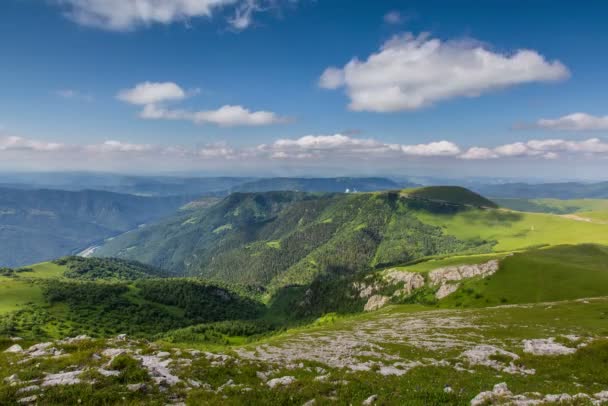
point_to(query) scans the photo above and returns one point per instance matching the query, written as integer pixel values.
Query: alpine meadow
(297, 202)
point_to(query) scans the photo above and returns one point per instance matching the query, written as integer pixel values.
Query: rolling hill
(39, 225)
(280, 238)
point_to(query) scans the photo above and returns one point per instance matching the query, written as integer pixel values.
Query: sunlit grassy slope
(540, 275)
(517, 230)
(17, 292)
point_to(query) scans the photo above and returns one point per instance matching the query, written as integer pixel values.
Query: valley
(308, 298)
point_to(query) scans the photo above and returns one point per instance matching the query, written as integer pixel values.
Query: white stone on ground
(16, 348)
(546, 346)
(370, 401)
(283, 381)
(62, 378)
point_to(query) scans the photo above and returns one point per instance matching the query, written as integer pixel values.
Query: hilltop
(280, 238)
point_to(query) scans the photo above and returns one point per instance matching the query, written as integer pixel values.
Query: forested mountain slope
(37, 225)
(281, 238)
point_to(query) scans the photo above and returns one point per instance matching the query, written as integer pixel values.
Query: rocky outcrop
(440, 276)
(444, 277)
(501, 395)
(546, 346)
(375, 302)
(446, 289)
(411, 281)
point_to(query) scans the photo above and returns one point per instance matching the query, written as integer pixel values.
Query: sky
(306, 87)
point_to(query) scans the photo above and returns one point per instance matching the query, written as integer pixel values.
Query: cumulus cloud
(225, 116)
(322, 146)
(125, 15)
(15, 143)
(411, 72)
(152, 92)
(309, 149)
(575, 122)
(547, 149)
(154, 97)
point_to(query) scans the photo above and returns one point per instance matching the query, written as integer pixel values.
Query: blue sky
(243, 85)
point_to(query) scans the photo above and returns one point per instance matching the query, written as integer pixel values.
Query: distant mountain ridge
(344, 184)
(38, 225)
(565, 190)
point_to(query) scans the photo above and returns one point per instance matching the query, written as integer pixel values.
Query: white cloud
(440, 148)
(479, 153)
(575, 122)
(125, 15)
(310, 150)
(225, 116)
(547, 149)
(323, 146)
(393, 17)
(15, 143)
(119, 146)
(411, 72)
(153, 96)
(152, 92)
(243, 15)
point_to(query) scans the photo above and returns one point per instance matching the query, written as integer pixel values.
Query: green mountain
(277, 239)
(38, 225)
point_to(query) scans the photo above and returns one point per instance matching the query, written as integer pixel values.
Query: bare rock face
(459, 272)
(411, 280)
(446, 289)
(375, 302)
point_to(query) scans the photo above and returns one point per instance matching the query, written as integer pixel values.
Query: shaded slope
(38, 225)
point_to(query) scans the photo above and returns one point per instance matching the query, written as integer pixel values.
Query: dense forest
(278, 239)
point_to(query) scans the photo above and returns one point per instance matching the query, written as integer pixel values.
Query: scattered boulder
(136, 387)
(62, 378)
(158, 369)
(29, 399)
(26, 389)
(283, 381)
(370, 400)
(483, 355)
(501, 394)
(15, 349)
(12, 379)
(546, 346)
(376, 302)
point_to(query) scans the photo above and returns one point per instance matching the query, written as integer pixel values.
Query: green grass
(16, 293)
(515, 230)
(556, 206)
(540, 275)
(46, 270)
